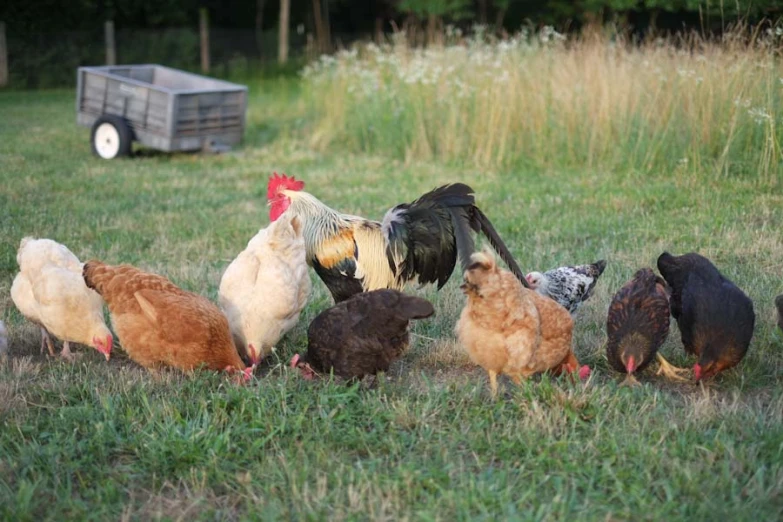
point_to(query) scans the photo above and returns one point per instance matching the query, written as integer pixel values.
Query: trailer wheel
(111, 137)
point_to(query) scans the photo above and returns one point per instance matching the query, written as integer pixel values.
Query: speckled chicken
(362, 335)
(568, 285)
(159, 324)
(715, 318)
(637, 323)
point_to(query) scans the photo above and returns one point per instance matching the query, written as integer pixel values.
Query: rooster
(419, 240)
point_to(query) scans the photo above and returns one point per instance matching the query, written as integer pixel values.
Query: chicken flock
(512, 324)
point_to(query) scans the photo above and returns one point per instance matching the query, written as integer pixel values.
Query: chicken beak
(630, 365)
(255, 357)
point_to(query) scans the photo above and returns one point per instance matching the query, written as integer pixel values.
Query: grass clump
(589, 101)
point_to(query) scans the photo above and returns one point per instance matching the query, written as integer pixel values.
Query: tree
(434, 11)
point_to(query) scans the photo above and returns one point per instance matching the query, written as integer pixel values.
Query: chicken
(779, 306)
(637, 323)
(50, 292)
(265, 288)
(419, 240)
(3, 340)
(568, 285)
(715, 318)
(362, 335)
(159, 324)
(509, 329)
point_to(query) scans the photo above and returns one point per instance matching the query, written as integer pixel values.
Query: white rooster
(49, 291)
(265, 288)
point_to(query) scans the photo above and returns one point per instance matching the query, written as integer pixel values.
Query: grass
(538, 99)
(100, 441)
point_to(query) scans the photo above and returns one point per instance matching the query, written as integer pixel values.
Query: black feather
(500, 247)
(431, 232)
(341, 279)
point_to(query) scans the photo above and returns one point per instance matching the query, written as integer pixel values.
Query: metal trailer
(160, 107)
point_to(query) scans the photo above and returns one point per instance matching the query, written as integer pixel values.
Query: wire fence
(44, 60)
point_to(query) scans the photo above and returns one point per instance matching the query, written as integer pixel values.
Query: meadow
(587, 149)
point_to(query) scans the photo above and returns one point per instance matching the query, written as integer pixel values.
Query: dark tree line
(324, 18)
(48, 39)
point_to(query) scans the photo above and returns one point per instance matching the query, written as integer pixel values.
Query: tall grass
(591, 101)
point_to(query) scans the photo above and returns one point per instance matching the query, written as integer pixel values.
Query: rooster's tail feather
(494, 239)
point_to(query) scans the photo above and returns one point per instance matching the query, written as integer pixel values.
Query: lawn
(99, 441)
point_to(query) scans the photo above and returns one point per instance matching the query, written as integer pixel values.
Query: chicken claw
(667, 370)
(630, 381)
(46, 340)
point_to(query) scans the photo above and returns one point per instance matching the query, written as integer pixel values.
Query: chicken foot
(630, 381)
(67, 354)
(46, 341)
(668, 370)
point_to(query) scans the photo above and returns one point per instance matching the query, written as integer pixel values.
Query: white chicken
(265, 288)
(49, 291)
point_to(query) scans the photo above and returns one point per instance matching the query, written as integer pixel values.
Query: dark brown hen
(779, 306)
(716, 318)
(362, 335)
(637, 323)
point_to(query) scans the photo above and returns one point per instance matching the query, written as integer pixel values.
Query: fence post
(3, 57)
(203, 25)
(111, 49)
(282, 38)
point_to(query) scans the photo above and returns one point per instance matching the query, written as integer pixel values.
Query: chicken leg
(493, 383)
(667, 370)
(46, 341)
(67, 354)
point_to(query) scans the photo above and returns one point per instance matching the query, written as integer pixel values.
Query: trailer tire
(111, 137)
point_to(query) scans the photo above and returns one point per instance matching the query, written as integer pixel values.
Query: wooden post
(282, 36)
(203, 26)
(3, 57)
(111, 49)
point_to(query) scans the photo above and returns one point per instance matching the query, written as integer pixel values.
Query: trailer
(159, 107)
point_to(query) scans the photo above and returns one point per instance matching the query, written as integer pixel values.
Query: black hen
(637, 323)
(715, 318)
(362, 335)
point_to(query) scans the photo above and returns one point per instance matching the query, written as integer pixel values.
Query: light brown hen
(509, 329)
(159, 324)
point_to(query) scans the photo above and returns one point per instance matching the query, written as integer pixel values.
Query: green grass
(102, 441)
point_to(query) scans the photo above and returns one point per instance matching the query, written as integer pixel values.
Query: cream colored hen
(50, 292)
(265, 288)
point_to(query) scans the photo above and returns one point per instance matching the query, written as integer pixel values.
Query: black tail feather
(462, 233)
(494, 239)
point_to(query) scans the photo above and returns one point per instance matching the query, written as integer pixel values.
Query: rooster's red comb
(280, 182)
